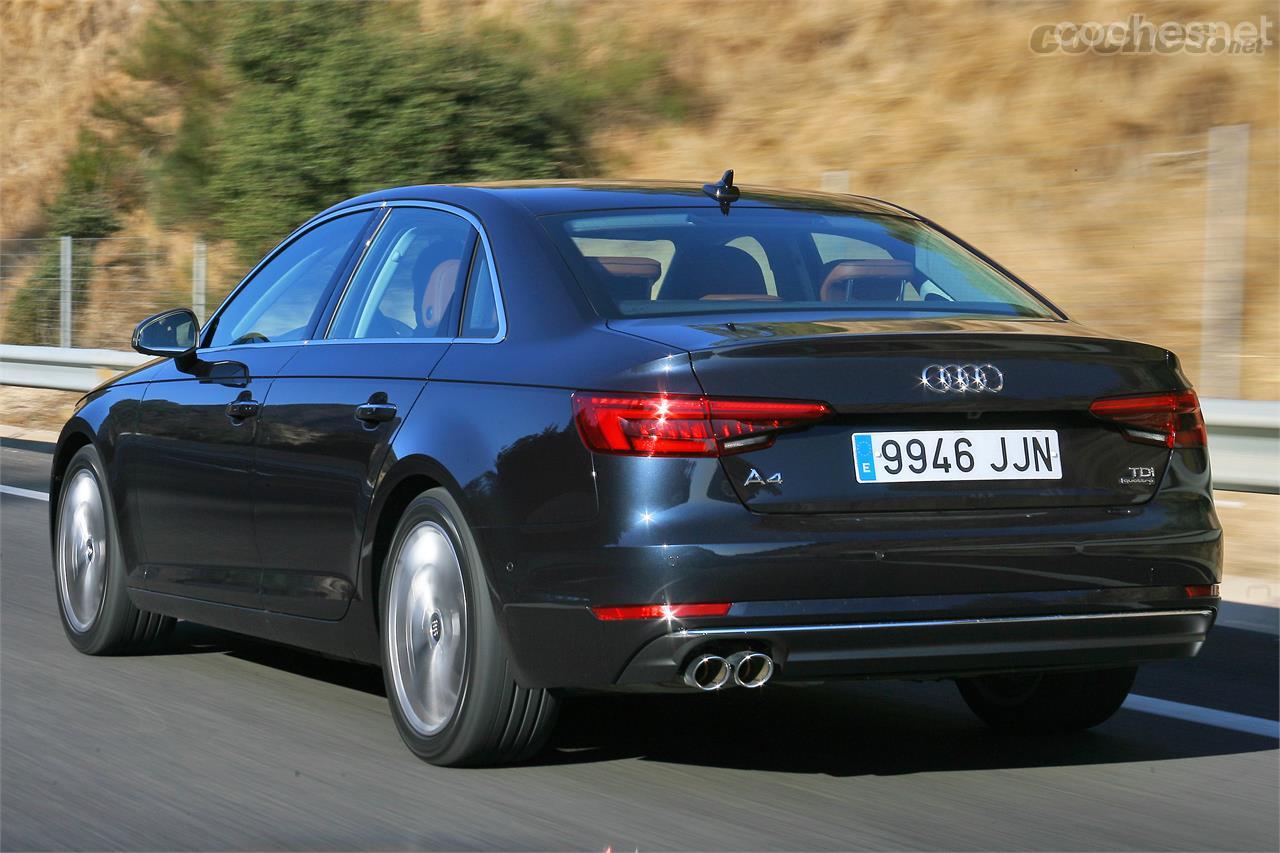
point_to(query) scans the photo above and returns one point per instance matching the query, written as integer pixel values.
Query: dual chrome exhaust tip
(743, 669)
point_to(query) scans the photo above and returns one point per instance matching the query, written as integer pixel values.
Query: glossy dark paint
(278, 527)
(192, 474)
(698, 545)
(313, 481)
(870, 370)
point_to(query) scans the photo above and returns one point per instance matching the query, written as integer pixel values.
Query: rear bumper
(897, 636)
(939, 647)
(958, 586)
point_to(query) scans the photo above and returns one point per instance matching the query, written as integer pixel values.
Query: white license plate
(954, 454)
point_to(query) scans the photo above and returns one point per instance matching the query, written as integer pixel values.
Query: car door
(198, 421)
(333, 410)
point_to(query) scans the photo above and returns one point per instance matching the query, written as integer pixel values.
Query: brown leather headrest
(630, 267)
(882, 268)
(438, 296)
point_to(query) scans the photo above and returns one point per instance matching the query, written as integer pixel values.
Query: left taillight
(671, 425)
(1173, 419)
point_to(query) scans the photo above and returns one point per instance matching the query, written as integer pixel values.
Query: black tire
(496, 721)
(118, 627)
(1047, 702)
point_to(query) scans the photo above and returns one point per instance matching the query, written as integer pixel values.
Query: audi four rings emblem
(960, 378)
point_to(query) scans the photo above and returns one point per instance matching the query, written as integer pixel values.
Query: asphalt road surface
(224, 742)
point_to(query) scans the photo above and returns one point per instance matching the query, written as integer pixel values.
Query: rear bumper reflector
(660, 611)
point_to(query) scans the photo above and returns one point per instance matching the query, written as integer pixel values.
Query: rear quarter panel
(494, 424)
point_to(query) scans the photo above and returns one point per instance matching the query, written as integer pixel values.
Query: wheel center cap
(437, 627)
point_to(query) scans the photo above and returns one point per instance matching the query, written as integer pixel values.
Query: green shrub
(85, 207)
(324, 109)
(284, 108)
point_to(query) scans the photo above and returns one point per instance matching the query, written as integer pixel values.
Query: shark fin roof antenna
(723, 191)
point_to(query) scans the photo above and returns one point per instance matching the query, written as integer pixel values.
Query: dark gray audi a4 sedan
(512, 441)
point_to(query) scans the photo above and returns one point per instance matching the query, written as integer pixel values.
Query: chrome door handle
(375, 412)
(240, 409)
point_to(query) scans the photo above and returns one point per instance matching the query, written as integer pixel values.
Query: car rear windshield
(674, 261)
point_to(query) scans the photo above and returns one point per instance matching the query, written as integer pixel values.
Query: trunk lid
(870, 372)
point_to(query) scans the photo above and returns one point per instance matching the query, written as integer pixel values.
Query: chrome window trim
(315, 342)
(319, 342)
(932, 623)
(241, 347)
(355, 268)
(493, 279)
(372, 205)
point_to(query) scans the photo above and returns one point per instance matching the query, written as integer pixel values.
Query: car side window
(410, 283)
(834, 247)
(480, 314)
(283, 298)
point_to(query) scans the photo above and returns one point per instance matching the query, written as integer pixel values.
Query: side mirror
(170, 333)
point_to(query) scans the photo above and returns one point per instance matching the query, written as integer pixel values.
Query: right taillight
(1172, 419)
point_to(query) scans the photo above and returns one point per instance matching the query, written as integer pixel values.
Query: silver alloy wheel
(427, 628)
(82, 551)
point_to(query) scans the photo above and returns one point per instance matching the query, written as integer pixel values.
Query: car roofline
(544, 197)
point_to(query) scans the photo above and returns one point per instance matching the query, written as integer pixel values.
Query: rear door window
(480, 313)
(410, 282)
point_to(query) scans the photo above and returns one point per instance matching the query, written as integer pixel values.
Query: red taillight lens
(1172, 419)
(659, 611)
(666, 425)
(1203, 590)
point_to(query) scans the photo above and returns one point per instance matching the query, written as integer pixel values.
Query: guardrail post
(1222, 302)
(199, 273)
(64, 293)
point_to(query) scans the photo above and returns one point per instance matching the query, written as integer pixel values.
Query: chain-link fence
(1177, 246)
(75, 292)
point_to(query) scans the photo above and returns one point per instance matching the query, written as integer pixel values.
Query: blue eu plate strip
(864, 457)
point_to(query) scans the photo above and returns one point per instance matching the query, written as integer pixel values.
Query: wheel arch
(402, 481)
(75, 435)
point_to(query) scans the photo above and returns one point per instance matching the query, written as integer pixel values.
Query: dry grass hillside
(1084, 173)
(55, 56)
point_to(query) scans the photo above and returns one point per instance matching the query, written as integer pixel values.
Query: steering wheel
(251, 338)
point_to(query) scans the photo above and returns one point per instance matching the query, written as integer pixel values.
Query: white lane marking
(24, 493)
(1228, 503)
(1206, 716)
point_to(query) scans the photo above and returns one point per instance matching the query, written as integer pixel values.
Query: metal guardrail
(1244, 443)
(62, 368)
(1244, 434)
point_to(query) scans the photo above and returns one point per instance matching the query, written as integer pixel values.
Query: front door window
(284, 298)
